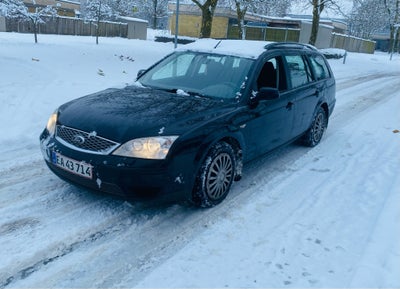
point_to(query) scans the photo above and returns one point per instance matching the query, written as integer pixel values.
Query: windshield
(202, 74)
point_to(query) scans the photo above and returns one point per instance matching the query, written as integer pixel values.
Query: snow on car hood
(132, 112)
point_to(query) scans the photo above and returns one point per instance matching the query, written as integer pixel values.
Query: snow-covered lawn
(322, 217)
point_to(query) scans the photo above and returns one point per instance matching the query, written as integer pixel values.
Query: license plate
(79, 168)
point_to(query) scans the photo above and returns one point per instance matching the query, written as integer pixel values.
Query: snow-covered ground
(322, 217)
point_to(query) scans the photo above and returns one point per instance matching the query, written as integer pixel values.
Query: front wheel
(215, 176)
(314, 134)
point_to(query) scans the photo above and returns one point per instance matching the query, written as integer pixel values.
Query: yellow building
(224, 21)
(64, 7)
(258, 27)
(190, 20)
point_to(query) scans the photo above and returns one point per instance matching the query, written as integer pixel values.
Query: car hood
(133, 112)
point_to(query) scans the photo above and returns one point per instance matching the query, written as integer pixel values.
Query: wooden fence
(69, 26)
(352, 44)
(346, 42)
(266, 33)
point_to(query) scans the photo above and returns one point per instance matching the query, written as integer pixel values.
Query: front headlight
(51, 123)
(147, 148)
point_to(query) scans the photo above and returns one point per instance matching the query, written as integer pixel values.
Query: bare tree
(260, 7)
(241, 10)
(393, 12)
(124, 7)
(17, 9)
(366, 18)
(154, 11)
(207, 13)
(98, 10)
(317, 7)
(271, 7)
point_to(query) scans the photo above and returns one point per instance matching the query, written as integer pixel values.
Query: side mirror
(265, 93)
(140, 73)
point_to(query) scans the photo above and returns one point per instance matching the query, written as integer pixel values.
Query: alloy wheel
(219, 176)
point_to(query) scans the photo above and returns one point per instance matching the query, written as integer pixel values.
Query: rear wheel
(314, 135)
(215, 176)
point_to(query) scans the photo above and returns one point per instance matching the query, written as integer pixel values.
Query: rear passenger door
(323, 76)
(303, 91)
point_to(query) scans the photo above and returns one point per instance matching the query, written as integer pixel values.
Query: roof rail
(288, 45)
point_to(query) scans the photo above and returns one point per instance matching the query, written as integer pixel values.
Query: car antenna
(217, 44)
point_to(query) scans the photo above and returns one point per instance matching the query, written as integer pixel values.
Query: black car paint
(252, 126)
(120, 114)
(144, 177)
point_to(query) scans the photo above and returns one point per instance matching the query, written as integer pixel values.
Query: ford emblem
(78, 139)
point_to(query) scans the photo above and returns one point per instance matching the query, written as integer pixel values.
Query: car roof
(242, 48)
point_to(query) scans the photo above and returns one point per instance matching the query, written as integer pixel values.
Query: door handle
(289, 105)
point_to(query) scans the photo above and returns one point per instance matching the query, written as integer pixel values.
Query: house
(258, 27)
(64, 7)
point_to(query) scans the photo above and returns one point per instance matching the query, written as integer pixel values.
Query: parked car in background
(190, 121)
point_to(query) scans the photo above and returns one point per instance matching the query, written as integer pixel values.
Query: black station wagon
(187, 125)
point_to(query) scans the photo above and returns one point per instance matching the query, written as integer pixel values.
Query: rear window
(318, 64)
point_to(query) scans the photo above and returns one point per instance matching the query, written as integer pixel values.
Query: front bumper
(170, 179)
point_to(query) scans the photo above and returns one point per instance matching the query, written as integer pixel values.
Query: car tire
(215, 176)
(318, 126)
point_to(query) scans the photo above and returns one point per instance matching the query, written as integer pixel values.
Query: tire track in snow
(111, 223)
(342, 84)
(62, 251)
(353, 102)
(20, 173)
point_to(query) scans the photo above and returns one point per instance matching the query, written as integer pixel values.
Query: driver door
(272, 120)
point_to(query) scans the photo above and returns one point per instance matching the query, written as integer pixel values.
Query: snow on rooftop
(70, 1)
(241, 48)
(133, 19)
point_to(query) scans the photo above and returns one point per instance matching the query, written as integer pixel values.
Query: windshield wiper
(183, 92)
(197, 94)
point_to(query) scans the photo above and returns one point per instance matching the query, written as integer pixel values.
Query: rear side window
(318, 64)
(299, 72)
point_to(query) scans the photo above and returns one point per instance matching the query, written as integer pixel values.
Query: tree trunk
(315, 22)
(97, 31)
(396, 21)
(393, 19)
(240, 17)
(391, 40)
(207, 10)
(98, 23)
(206, 23)
(34, 25)
(155, 4)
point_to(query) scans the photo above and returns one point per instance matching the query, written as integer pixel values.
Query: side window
(299, 72)
(319, 66)
(272, 74)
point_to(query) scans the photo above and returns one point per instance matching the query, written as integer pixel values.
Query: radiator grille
(84, 141)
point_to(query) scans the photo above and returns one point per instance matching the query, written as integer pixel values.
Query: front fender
(235, 139)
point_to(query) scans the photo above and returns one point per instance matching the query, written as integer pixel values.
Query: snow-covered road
(322, 217)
